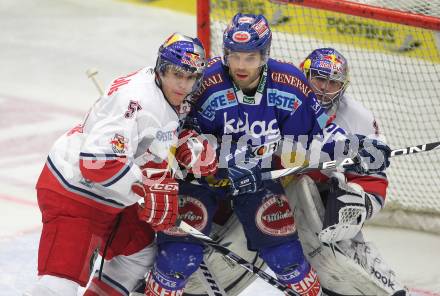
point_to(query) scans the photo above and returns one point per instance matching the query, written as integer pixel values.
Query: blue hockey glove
(372, 157)
(244, 174)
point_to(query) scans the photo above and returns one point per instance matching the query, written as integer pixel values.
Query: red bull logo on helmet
(333, 58)
(192, 59)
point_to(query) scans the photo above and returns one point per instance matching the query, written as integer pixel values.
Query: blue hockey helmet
(182, 51)
(327, 64)
(247, 33)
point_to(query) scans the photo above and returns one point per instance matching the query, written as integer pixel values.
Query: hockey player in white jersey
(96, 173)
(331, 210)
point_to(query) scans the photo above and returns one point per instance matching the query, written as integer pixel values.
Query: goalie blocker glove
(347, 208)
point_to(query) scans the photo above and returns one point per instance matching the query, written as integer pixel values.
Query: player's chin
(177, 99)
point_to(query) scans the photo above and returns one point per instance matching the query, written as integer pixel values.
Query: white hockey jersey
(354, 118)
(97, 161)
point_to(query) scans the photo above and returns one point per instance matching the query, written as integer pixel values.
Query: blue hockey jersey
(284, 106)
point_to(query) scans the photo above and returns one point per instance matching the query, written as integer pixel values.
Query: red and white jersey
(97, 161)
(354, 118)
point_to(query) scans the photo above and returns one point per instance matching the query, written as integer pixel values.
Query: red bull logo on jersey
(274, 217)
(119, 143)
(282, 100)
(217, 101)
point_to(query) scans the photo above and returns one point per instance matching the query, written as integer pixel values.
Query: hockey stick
(91, 73)
(234, 257)
(326, 165)
(333, 164)
(275, 174)
(209, 281)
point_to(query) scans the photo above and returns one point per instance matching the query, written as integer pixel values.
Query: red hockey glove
(159, 190)
(196, 154)
(160, 203)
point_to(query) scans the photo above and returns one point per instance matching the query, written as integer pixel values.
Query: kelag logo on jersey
(282, 100)
(217, 101)
(255, 128)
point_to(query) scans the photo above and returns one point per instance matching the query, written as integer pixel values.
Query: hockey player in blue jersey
(248, 102)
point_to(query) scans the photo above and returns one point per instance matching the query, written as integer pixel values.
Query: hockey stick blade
(333, 164)
(236, 258)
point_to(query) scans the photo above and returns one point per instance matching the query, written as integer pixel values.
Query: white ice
(45, 49)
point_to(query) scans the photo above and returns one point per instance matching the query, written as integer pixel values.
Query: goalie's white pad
(348, 267)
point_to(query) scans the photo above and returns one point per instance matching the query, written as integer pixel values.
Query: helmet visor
(244, 60)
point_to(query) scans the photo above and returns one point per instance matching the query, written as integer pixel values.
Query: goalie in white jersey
(330, 209)
(96, 173)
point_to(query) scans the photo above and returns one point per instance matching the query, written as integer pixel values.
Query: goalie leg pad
(347, 269)
(175, 263)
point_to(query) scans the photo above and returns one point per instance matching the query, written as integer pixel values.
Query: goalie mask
(247, 33)
(327, 72)
(182, 53)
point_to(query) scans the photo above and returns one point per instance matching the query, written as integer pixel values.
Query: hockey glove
(159, 192)
(347, 208)
(196, 154)
(372, 157)
(244, 173)
(159, 203)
